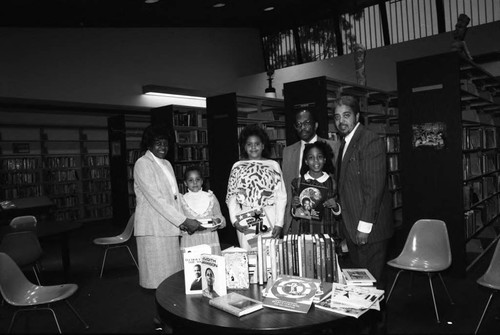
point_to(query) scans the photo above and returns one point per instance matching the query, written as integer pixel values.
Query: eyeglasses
(305, 124)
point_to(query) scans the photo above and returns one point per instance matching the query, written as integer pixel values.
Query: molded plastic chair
(427, 250)
(117, 242)
(26, 222)
(490, 279)
(20, 292)
(24, 248)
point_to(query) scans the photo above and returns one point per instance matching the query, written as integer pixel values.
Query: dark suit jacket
(362, 187)
(290, 168)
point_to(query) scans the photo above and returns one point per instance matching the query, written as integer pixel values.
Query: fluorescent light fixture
(176, 96)
(151, 1)
(268, 9)
(219, 5)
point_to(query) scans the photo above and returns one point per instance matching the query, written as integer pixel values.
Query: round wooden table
(192, 314)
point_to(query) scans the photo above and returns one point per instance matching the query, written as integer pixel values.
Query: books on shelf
(192, 268)
(236, 304)
(237, 276)
(359, 277)
(213, 274)
(291, 293)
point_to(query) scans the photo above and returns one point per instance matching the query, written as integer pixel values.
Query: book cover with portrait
(192, 268)
(312, 197)
(213, 276)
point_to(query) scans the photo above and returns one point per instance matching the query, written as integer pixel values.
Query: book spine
(260, 260)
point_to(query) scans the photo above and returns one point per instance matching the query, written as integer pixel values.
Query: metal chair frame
(18, 291)
(118, 241)
(424, 265)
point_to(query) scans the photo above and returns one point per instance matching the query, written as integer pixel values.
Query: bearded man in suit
(367, 222)
(306, 125)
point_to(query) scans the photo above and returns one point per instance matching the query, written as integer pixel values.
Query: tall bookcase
(450, 161)
(124, 135)
(227, 114)
(68, 164)
(379, 112)
(188, 127)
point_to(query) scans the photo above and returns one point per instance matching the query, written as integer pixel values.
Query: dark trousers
(371, 256)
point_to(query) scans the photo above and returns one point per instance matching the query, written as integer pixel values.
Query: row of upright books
(476, 163)
(190, 118)
(476, 190)
(219, 279)
(474, 138)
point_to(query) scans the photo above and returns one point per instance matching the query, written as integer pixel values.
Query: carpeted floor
(117, 304)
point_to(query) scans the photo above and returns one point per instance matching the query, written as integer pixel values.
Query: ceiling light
(151, 1)
(268, 9)
(219, 5)
(176, 96)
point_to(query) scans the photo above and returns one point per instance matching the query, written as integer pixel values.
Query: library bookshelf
(124, 135)
(449, 151)
(68, 164)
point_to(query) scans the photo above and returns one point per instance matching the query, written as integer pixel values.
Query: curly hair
(154, 133)
(327, 152)
(254, 130)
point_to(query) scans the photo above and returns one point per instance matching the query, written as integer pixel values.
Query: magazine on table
(361, 277)
(291, 293)
(356, 296)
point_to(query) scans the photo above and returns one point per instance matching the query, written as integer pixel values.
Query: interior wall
(380, 62)
(110, 65)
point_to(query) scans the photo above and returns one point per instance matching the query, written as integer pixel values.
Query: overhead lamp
(176, 96)
(219, 5)
(268, 9)
(151, 1)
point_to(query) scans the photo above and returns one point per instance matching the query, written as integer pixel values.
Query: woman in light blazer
(158, 215)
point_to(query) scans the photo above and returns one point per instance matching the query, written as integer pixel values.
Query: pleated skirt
(159, 257)
(202, 237)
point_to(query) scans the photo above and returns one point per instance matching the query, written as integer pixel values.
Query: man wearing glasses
(305, 126)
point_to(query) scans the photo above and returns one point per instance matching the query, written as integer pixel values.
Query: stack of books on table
(354, 298)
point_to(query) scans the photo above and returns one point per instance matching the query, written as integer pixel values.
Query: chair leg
(36, 275)
(34, 309)
(393, 284)
(484, 312)
(131, 255)
(77, 315)
(433, 298)
(103, 261)
(446, 289)
(55, 319)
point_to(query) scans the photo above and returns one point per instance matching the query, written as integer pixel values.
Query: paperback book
(356, 296)
(236, 304)
(237, 277)
(291, 293)
(340, 308)
(192, 268)
(360, 277)
(213, 274)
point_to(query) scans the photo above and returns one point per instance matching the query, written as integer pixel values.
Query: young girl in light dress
(203, 206)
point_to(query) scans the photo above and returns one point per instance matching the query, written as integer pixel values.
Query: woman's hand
(191, 225)
(277, 231)
(240, 228)
(217, 221)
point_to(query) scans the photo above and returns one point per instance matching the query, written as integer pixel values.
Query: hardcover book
(236, 304)
(360, 277)
(213, 274)
(237, 277)
(192, 268)
(291, 293)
